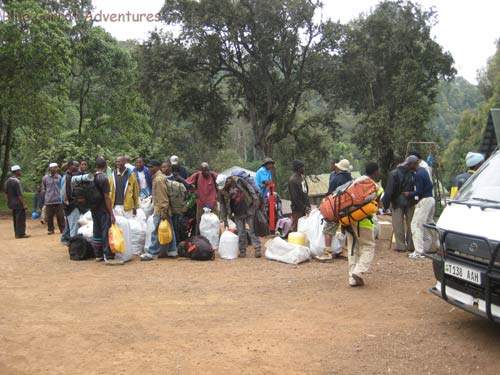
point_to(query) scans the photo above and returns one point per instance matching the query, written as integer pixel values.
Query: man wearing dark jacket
(71, 211)
(401, 180)
(299, 193)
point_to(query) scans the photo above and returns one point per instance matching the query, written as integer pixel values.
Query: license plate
(462, 272)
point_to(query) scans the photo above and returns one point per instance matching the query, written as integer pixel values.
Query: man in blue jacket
(424, 210)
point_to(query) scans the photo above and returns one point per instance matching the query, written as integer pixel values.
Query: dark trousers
(56, 210)
(19, 219)
(102, 223)
(296, 215)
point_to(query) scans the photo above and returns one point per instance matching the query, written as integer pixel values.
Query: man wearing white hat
(15, 201)
(177, 168)
(473, 161)
(51, 189)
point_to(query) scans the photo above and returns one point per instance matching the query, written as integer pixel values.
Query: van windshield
(483, 186)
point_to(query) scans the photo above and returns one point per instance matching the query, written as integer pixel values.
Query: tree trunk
(6, 154)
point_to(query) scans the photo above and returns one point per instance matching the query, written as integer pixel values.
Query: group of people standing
(408, 195)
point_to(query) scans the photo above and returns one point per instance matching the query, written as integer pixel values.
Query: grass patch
(28, 197)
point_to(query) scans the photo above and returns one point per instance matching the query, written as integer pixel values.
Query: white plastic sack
(228, 245)
(312, 226)
(85, 219)
(87, 230)
(150, 227)
(209, 227)
(137, 235)
(282, 251)
(147, 206)
(141, 216)
(338, 243)
(123, 224)
(82, 221)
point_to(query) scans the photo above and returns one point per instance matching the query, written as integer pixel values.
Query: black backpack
(80, 248)
(196, 248)
(87, 195)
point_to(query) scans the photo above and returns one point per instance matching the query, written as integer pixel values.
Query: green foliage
(390, 68)
(454, 97)
(269, 53)
(470, 130)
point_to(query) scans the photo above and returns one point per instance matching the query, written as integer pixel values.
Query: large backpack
(177, 194)
(347, 198)
(196, 248)
(86, 195)
(247, 177)
(80, 248)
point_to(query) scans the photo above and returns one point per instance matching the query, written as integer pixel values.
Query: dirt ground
(249, 316)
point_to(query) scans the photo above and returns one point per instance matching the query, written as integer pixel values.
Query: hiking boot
(113, 262)
(99, 259)
(147, 257)
(416, 255)
(50, 232)
(242, 254)
(358, 279)
(326, 256)
(23, 236)
(258, 253)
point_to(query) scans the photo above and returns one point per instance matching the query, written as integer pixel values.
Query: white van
(467, 264)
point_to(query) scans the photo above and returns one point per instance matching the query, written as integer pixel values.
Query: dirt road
(249, 316)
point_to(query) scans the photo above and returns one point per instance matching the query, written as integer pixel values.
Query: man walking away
(102, 214)
(15, 201)
(361, 238)
(206, 190)
(71, 211)
(401, 180)
(239, 200)
(339, 177)
(143, 177)
(473, 160)
(299, 193)
(162, 211)
(51, 188)
(424, 210)
(124, 189)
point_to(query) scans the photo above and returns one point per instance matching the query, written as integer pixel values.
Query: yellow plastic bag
(116, 239)
(164, 233)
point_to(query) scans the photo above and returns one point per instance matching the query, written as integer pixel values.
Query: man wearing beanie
(473, 160)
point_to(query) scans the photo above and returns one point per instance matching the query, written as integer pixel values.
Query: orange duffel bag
(355, 193)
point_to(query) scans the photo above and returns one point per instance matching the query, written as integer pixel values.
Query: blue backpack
(247, 177)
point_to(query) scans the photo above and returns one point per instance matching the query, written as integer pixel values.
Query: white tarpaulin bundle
(282, 251)
(312, 226)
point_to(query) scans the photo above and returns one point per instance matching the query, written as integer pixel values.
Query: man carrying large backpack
(341, 176)
(238, 199)
(401, 180)
(361, 238)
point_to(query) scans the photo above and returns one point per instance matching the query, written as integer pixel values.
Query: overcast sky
(466, 28)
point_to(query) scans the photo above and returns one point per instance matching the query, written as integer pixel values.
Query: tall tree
(267, 51)
(34, 66)
(391, 67)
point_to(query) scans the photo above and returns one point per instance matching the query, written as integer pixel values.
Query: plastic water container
(228, 245)
(297, 238)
